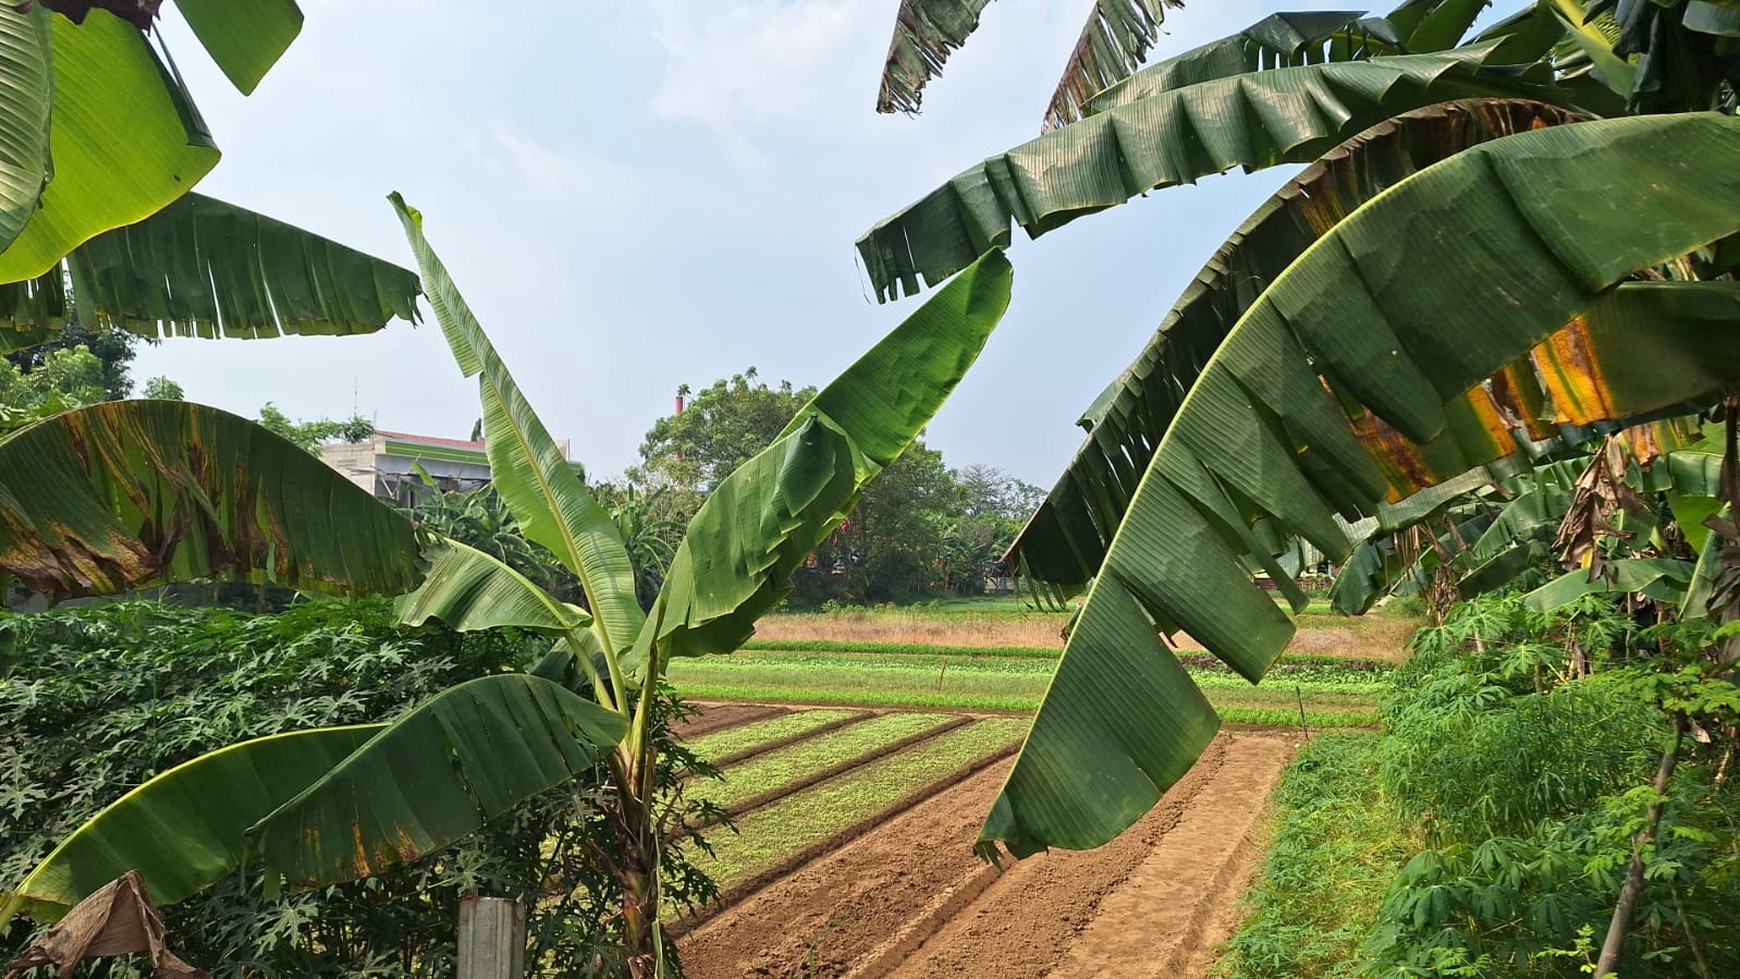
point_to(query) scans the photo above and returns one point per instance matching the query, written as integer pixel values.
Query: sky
(641, 195)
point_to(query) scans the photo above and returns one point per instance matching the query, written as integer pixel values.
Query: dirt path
(909, 900)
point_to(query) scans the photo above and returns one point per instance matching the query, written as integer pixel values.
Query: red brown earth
(908, 899)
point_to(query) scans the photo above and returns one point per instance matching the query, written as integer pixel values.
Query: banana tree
(366, 799)
(101, 145)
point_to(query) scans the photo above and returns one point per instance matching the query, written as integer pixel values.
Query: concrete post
(492, 937)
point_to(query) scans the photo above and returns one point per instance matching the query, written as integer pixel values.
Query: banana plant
(383, 794)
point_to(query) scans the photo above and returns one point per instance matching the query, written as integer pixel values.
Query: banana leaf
(182, 830)
(925, 32)
(244, 37)
(26, 97)
(553, 506)
(134, 494)
(469, 590)
(1391, 317)
(1114, 41)
(1249, 120)
(1660, 579)
(737, 558)
(201, 267)
(125, 139)
(1065, 540)
(437, 773)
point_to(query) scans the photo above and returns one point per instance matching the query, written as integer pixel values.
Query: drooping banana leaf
(125, 140)
(1661, 579)
(26, 96)
(244, 37)
(1398, 312)
(1065, 540)
(182, 830)
(1249, 120)
(467, 754)
(469, 590)
(1113, 43)
(134, 494)
(552, 505)
(1277, 41)
(925, 33)
(201, 267)
(737, 558)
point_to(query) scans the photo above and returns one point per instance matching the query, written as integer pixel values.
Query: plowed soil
(908, 899)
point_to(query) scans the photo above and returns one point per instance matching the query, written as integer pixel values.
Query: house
(386, 465)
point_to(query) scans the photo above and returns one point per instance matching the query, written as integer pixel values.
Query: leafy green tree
(62, 379)
(311, 435)
(114, 348)
(718, 429)
(163, 389)
(891, 547)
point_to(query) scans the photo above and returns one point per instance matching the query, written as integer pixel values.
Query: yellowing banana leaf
(1065, 540)
(737, 558)
(182, 830)
(553, 506)
(201, 267)
(1394, 315)
(26, 95)
(1249, 120)
(244, 37)
(434, 775)
(125, 141)
(469, 590)
(133, 494)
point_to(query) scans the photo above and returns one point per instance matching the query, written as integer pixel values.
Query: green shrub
(104, 697)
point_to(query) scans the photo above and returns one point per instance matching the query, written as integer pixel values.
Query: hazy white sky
(635, 196)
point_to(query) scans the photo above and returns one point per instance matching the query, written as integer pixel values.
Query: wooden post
(492, 937)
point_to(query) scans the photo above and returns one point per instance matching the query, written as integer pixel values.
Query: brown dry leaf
(116, 919)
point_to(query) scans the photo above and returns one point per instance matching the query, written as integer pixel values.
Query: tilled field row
(899, 892)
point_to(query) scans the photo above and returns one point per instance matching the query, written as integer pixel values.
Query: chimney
(679, 404)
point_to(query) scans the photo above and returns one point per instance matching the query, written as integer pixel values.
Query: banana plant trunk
(634, 769)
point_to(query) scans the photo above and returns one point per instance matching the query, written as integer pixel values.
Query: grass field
(1330, 696)
(1005, 622)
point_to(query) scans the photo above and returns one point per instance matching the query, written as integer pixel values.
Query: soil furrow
(718, 717)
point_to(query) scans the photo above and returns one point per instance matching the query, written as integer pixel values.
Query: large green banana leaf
(434, 775)
(201, 267)
(1249, 120)
(470, 590)
(1277, 41)
(1662, 579)
(134, 494)
(1065, 540)
(182, 830)
(737, 558)
(1433, 286)
(26, 95)
(125, 141)
(244, 37)
(553, 506)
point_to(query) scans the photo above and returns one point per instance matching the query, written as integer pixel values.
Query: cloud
(734, 67)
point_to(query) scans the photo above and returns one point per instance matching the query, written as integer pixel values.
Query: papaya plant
(340, 804)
